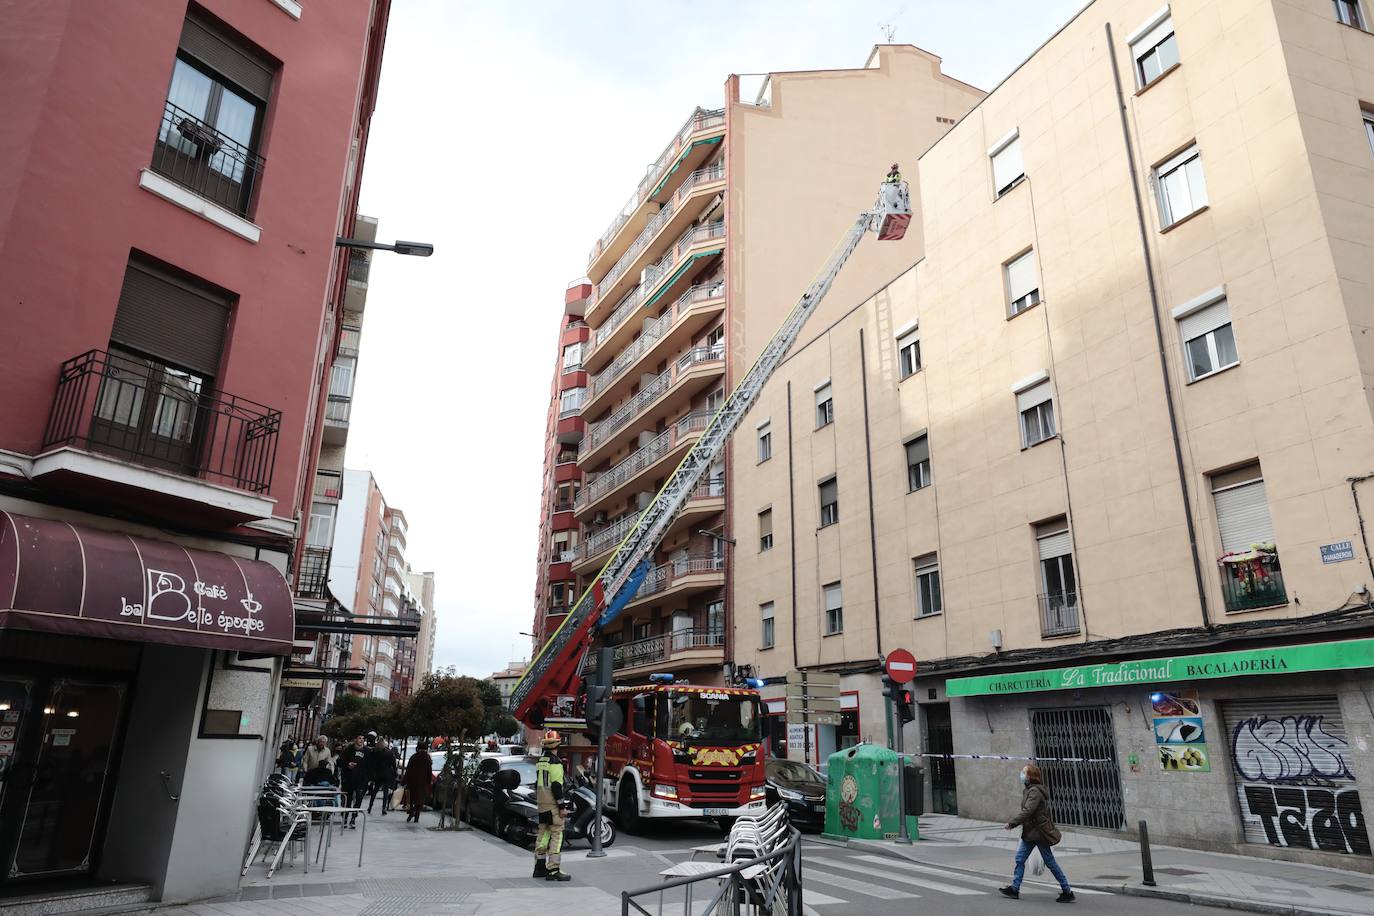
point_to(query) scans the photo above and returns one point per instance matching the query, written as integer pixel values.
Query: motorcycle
(520, 824)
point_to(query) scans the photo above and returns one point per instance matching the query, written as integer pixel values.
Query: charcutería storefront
(137, 678)
(1258, 750)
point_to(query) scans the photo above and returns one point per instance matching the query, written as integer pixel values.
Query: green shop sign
(1323, 656)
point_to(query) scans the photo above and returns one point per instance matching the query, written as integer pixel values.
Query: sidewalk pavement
(407, 869)
(1112, 864)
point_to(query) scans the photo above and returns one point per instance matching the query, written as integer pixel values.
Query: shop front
(1259, 751)
(137, 680)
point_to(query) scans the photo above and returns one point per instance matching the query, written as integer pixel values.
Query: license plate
(717, 812)
(818, 808)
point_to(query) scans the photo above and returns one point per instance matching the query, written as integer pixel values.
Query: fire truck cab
(685, 750)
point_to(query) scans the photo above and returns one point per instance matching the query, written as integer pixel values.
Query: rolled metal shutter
(1243, 516)
(164, 317)
(1294, 783)
(1052, 543)
(246, 67)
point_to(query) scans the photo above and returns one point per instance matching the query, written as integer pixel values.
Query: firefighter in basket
(550, 789)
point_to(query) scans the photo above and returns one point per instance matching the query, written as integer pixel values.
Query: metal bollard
(1147, 868)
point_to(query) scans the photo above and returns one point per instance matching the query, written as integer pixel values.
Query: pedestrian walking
(352, 767)
(316, 753)
(381, 775)
(1037, 832)
(550, 788)
(286, 759)
(418, 776)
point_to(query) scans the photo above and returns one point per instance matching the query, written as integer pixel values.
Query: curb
(1130, 890)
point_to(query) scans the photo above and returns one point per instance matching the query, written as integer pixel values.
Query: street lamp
(418, 249)
(716, 537)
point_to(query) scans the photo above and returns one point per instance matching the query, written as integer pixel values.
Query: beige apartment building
(421, 585)
(1099, 456)
(716, 244)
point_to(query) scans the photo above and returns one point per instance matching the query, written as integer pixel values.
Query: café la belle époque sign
(1323, 656)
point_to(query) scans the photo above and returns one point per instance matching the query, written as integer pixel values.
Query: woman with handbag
(1037, 832)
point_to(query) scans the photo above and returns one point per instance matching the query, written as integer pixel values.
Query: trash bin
(915, 789)
(861, 797)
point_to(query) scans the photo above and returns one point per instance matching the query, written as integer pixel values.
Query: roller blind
(822, 394)
(1243, 516)
(1007, 165)
(1052, 539)
(765, 523)
(830, 491)
(834, 599)
(1204, 320)
(1029, 398)
(168, 318)
(1153, 37)
(1021, 276)
(244, 66)
(918, 450)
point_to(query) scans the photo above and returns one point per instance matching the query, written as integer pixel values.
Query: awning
(62, 578)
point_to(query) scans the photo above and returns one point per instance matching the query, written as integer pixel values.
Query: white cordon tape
(1010, 757)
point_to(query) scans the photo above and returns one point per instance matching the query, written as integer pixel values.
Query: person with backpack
(1037, 832)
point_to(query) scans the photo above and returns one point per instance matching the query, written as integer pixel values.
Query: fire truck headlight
(757, 792)
(665, 791)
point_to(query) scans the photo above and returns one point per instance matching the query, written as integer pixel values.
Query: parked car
(801, 788)
(485, 805)
(503, 750)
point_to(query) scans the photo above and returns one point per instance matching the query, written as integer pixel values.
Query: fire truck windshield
(711, 718)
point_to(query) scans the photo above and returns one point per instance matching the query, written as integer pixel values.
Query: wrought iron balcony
(359, 266)
(197, 156)
(151, 414)
(1058, 614)
(643, 458)
(312, 580)
(663, 577)
(653, 331)
(602, 540)
(661, 648)
(1253, 580)
(602, 430)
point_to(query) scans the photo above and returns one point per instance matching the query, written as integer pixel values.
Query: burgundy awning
(62, 578)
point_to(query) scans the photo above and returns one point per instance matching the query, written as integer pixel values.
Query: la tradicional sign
(1324, 656)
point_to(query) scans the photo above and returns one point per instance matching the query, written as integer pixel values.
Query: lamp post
(416, 249)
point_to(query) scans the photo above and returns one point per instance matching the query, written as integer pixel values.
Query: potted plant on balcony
(1254, 576)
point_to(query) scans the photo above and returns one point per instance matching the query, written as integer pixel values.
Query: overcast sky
(509, 134)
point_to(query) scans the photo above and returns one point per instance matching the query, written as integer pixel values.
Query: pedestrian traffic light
(906, 704)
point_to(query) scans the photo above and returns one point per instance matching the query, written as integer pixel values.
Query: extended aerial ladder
(556, 670)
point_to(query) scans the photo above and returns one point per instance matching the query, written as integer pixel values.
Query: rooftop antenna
(889, 32)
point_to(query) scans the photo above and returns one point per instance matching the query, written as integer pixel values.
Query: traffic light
(905, 702)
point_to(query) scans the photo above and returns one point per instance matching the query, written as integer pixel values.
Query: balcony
(1058, 614)
(198, 157)
(681, 577)
(597, 544)
(349, 338)
(359, 265)
(112, 411)
(667, 447)
(678, 324)
(570, 402)
(1252, 580)
(329, 484)
(691, 145)
(312, 580)
(668, 651)
(668, 392)
(337, 410)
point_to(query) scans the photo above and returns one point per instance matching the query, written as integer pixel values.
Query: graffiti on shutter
(1293, 778)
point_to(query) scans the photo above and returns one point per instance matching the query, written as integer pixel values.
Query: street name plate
(1337, 552)
(812, 690)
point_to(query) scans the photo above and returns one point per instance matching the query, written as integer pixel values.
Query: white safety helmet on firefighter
(551, 740)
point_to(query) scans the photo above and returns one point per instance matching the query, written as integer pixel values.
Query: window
(566, 496)
(210, 127)
(1023, 283)
(918, 463)
(830, 502)
(765, 530)
(1204, 325)
(716, 340)
(766, 619)
(1058, 590)
(1250, 573)
(929, 601)
(715, 623)
(765, 435)
(825, 406)
(1348, 12)
(1179, 184)
(1153, 48)
(834, 609)
(909, 352)
(570, 401)
(1007, 167)
(714, 400)
(341, 376)
(1037, 413)
(572, 356)
(1369, 128)
(320, 533)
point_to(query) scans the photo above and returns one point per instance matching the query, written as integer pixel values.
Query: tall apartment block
(1100, 458)
(174, 179)
(421, 588)
(691, 277)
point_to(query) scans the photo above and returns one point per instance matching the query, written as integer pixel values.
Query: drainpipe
(1359, 517)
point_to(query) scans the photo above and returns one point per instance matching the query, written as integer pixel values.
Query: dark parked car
(486, 801)
(799, 787)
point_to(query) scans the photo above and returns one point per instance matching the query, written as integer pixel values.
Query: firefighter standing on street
(549, 792)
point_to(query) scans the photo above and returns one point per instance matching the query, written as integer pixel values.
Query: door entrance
(55, 768)
(940, 740)
(1085, 787)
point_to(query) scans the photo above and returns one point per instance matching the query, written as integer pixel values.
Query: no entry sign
(901, 665)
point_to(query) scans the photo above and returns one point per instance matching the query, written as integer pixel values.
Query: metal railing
(1254, 583)
(604, 539)
(663, 577)
(655, 330)
(312, 580)
(674, 255)
(359, 266)
(643, 458)
(1058, 614)
(197, 156)
(329, 484)
(349, 339)
(661, 647)
(570, 402)
(152, 415)
(697, 355)
(602, 430)
(775, 888)
(566, 456)
(338, 408)
(624, 310)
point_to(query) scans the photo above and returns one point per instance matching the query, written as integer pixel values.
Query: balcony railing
(624, 310)
(566, 456)
(156, 416)
(601, 431)
(313, 579)
(673, 256)
(1252, 580)
(661, 647)
(329, 484)
(1058, 614)
(604, 539)
(661, 578)
(349, 339)
(653, 331)
(651, 229)
(338, 408)
(359, 266)
(197, 156)
(643, 458)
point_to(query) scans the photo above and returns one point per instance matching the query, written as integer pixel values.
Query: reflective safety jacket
(548, 782)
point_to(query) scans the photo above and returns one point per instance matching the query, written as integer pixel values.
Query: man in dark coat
(381, 774)
(352, 768)
(418, 777)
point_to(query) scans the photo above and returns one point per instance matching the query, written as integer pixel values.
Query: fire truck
(683, 750)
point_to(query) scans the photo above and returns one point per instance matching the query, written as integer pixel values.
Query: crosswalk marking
(858, 887)
(970, 879)
(900, 878)
(816, 898)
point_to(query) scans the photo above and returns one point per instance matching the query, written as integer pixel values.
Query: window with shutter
(929, 600)
(765, 530)
(830, 502)
(1036, 407)
(909, 352)
(1180, 187)
(1209, 344)
(1251, 576)
(918, 463)
(1058, 588)
(1007, 167)
(766, 618)
(1153, 48)
(765, 441)
(825, 406)
(171, 318)
(834, 609)
(1023, 283)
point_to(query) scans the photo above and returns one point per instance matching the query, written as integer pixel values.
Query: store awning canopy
(61, 578)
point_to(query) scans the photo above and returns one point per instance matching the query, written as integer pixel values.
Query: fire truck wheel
(627, 807)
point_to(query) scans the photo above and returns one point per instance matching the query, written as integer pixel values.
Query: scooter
(521, 821)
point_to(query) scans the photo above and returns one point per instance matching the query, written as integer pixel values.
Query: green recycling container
(862, 794)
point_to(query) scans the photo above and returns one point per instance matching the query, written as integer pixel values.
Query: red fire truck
(685, 750)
